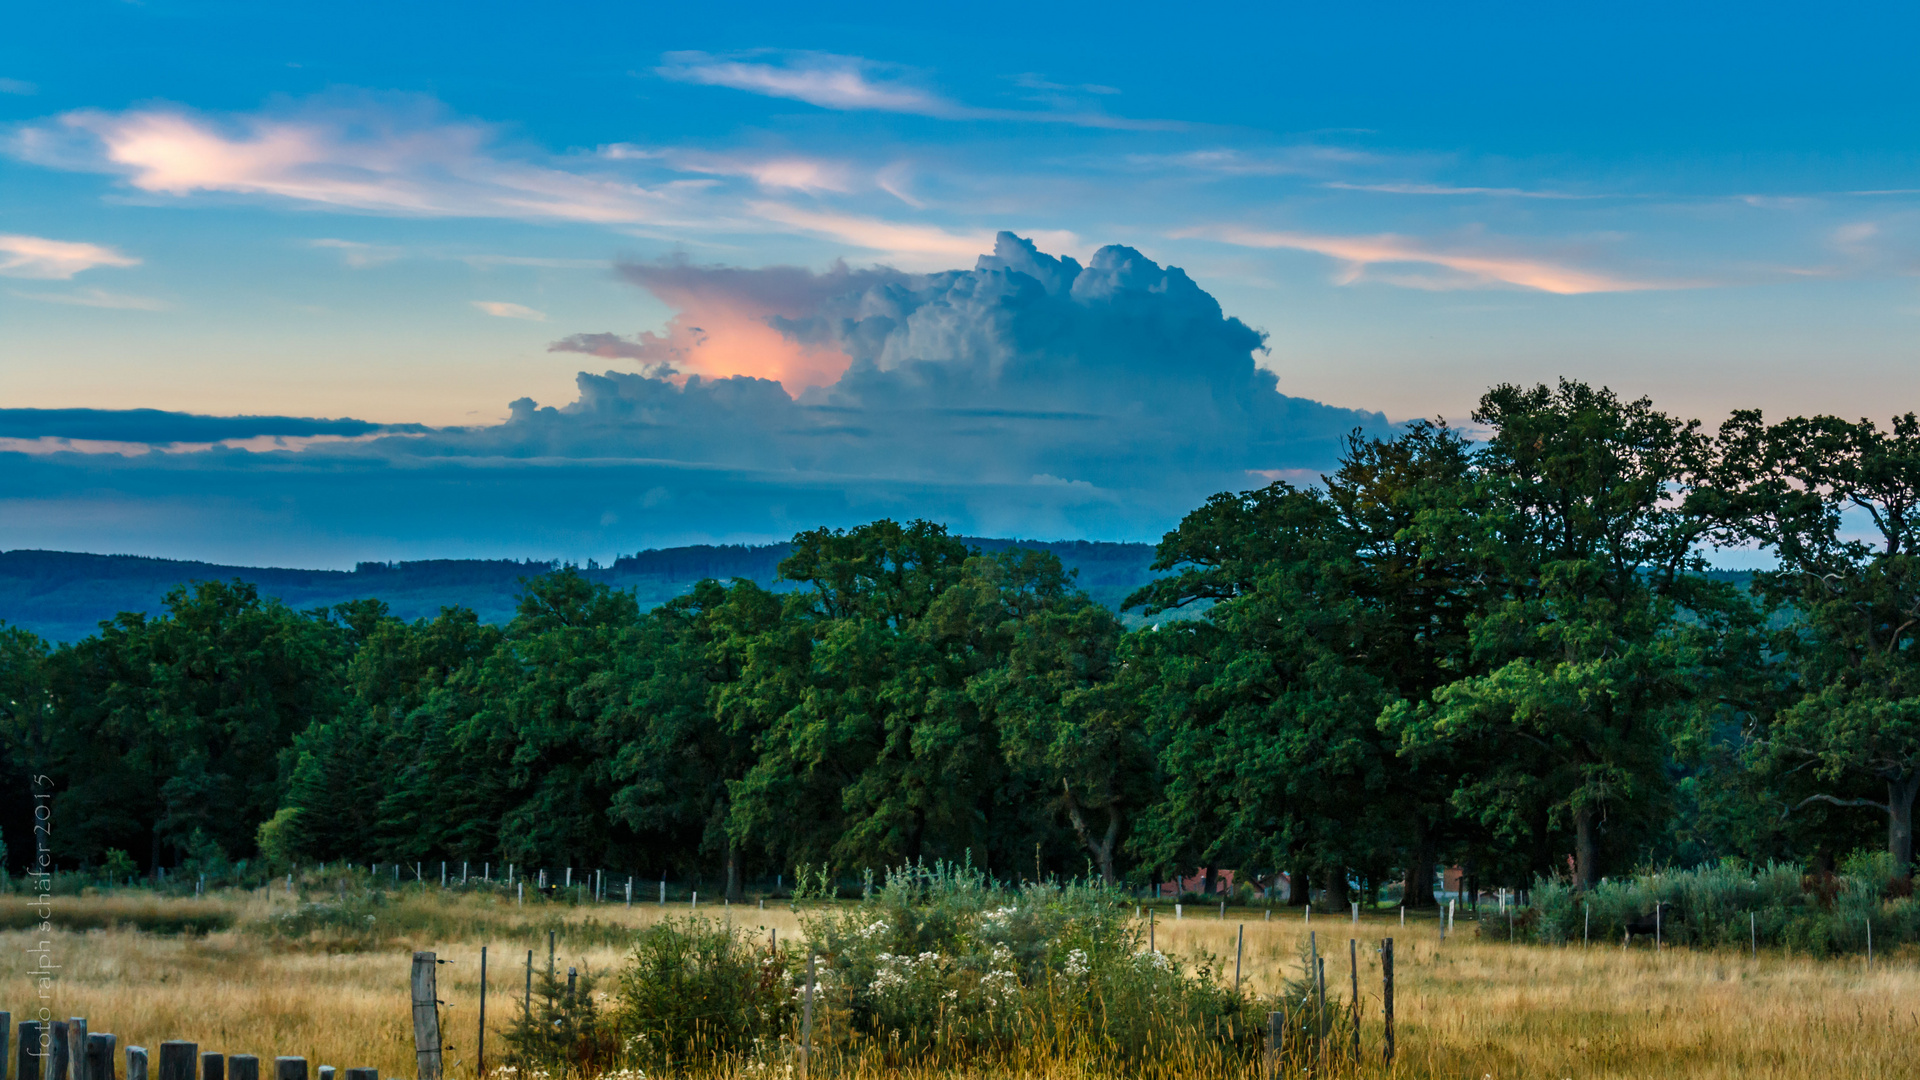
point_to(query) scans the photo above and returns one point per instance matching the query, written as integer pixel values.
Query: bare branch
(1844, 802)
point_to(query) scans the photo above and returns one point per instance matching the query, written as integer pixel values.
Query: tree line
(1507, 652)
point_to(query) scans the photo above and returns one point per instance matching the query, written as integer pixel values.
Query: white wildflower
(1076, 965)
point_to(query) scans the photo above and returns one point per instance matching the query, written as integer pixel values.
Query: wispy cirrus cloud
(1308, 160)
(18, 86)
(1449, 189)
(501, 309)
(794, 172)
(910, 244)
(857, 84)
(824, 79)
(1465, 269)
(358, 254)
(39, 257)
(404, 156)
(390, 155)
(96, 298)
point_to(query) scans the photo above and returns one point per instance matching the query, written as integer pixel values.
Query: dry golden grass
(1466, 1009)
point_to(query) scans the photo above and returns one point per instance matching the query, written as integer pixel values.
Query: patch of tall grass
(1731, 904)
(133, 911)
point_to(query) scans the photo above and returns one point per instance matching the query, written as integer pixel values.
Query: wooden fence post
(426, 1021)
(30, 1051)
(326, 1072)
(6, 1032)
(1239, 946)
(58, 1057)
(77, 1045)
(363, 1074)
(213, 1066)
(136, 1063)
(178, 1059)
(100, 1055)
(243, 1067)
(1386, 996)
(289, 1068)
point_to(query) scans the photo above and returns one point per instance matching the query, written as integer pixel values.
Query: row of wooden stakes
(65, 1050)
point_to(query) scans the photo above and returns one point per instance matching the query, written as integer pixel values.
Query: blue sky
(421, 214)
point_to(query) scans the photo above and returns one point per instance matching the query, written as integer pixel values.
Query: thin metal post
(480, 1055)
(1353, 967)
(806, 1022)
(1239, 947)
(1386, 996)
(1320, 1004)
(1276, 1042)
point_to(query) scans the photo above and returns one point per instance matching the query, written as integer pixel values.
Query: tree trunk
(1103, 854)
(1337, 889)
(1900, 794)
(1583, 851)
(1102, 848)
(1418, 891)
(1299, 887)
(733, 873)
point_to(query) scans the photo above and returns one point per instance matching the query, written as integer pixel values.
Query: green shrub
(564, 1034)
(1727, 905)
(941, 966)
(945, 964)
(695, 990)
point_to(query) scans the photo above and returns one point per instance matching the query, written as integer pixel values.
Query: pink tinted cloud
(725, 323)
(39, 257)
(1470, 269)
(383, 155)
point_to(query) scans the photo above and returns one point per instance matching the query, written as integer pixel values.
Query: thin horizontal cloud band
(1359, 253)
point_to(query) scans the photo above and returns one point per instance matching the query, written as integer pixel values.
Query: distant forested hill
(63, 595)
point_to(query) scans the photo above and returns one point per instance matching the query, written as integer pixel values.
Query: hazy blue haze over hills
(63, 595)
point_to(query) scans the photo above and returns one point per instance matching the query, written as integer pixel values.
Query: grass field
(1467, 1008)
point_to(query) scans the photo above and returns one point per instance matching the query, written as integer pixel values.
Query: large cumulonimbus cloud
(1029, 396)
(1121, 375)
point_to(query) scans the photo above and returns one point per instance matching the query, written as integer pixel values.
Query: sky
(321, 283)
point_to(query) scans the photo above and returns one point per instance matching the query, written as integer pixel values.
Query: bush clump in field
(942, 965)
(1729, 904)
(693, 989)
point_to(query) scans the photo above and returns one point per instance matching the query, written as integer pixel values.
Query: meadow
(1467, 1007)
